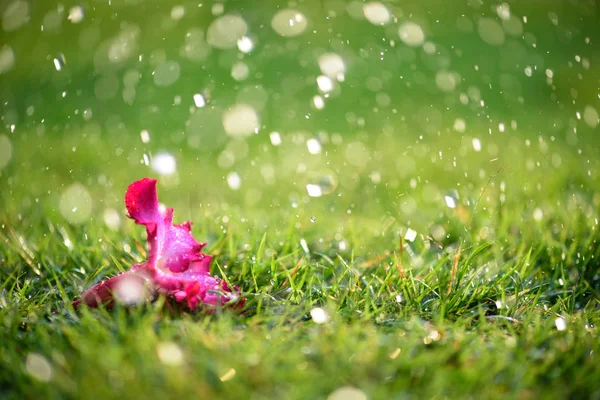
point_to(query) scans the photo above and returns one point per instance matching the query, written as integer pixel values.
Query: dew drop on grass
(476, 144)
(75, 204)
(164, 164)
(275, 138)
(289, 22)
(38, 367)
(319, 315)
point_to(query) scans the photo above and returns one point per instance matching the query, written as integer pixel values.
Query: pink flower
(176, 266)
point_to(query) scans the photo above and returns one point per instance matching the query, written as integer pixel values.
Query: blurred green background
(373, 115)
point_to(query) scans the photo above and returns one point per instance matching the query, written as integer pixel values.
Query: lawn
(427, 227)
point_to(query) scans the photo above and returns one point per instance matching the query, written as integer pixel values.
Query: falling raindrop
(164, 164)
(224, 32)
(410, 235)
(234, 181)
(289, 23)
(411, 34)
(240, 121)
(75, 204)
(376, 13)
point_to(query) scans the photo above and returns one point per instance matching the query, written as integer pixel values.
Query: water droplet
(318, 102)
(240, 121)
(169, 353)
(476, 144)
(38, 367)
(112, 219)
(319, 315)
(538, 214)
(131, 290)
(313, 145)
(145, 136)
(314, 190)
(59, 62)
(7, 59)
(275, 138)
(5, 151)
(560, 323)
(177, 12)
(410, 235)
(166, 73)
(490, 31)
(228, 375)
(164, 164)
(411, 34)
(289, 23)
(199, 100)
(450, 201)
(590, 116)
(76, 14)
(245, 44)
(234, 181)
(75, 204)
(224, 32)
(376, 13)
(313, 219)
(347, 393)
(460, 125)
(324, 83)
(331, 65)
(240, 71)
(15, 15)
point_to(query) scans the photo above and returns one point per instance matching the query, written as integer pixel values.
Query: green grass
(498, 297)
(473, 313)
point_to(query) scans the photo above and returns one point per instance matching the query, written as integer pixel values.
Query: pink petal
(172, 247)
(176, 266)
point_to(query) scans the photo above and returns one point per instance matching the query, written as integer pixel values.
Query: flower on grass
(176, 266)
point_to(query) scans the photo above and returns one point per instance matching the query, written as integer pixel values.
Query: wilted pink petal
(176, 266)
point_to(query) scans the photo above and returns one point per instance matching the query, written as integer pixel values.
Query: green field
(407, 193)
